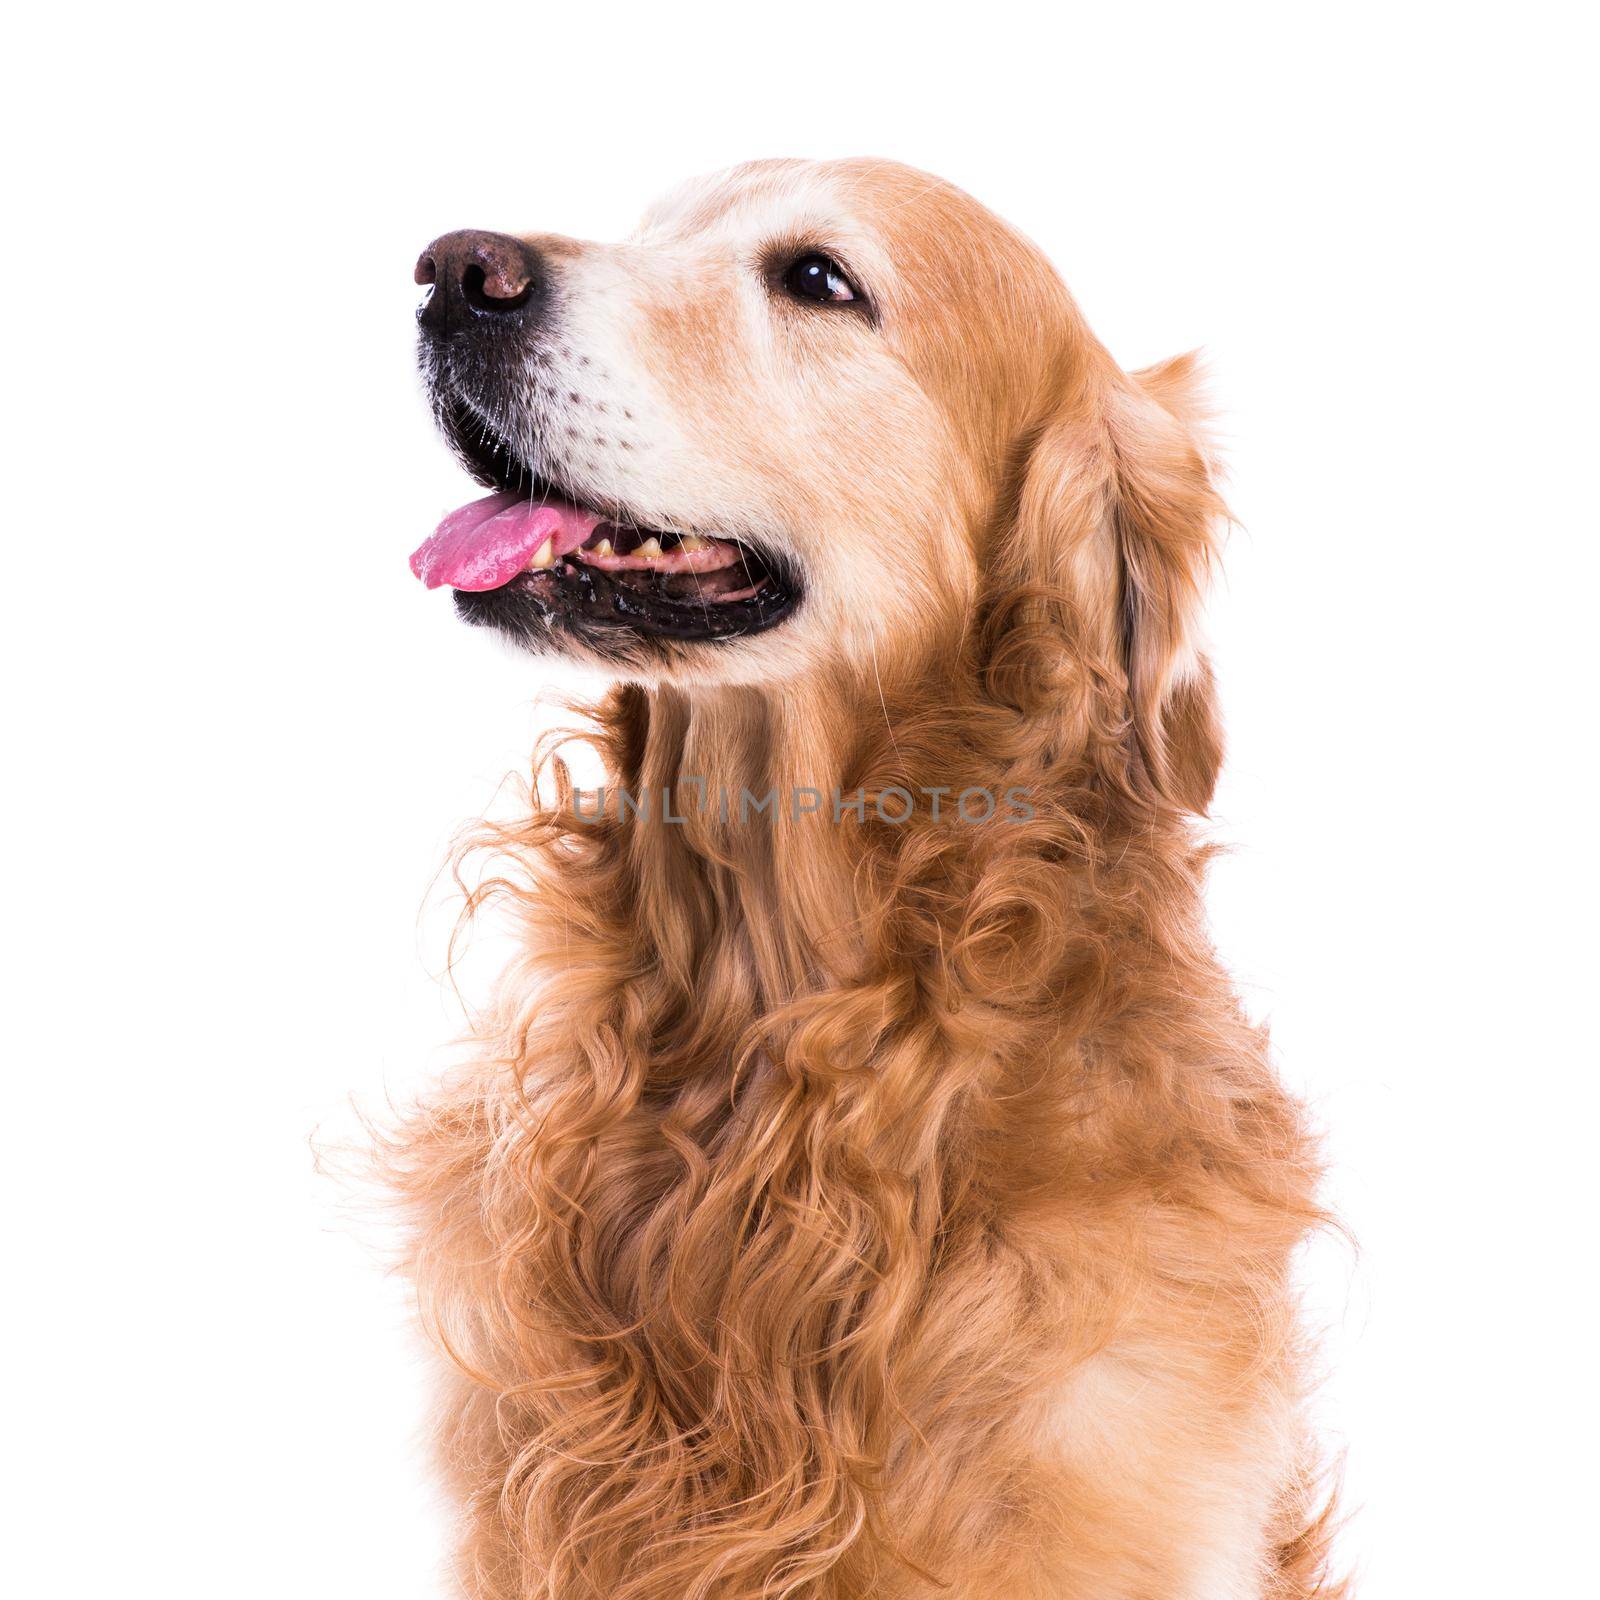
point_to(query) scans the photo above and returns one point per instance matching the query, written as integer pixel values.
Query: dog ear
(1119, 517)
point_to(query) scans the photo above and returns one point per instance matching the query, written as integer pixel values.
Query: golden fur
(844, 1209)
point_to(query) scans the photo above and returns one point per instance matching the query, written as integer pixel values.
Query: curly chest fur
(864, 1314)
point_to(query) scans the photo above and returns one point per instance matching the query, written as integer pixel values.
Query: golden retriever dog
(868, 1184)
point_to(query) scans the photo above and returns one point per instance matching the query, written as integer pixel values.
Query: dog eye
(820, 279)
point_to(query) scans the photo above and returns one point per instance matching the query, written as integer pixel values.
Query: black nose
(479, 277)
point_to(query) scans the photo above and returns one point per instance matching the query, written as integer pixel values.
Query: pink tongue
(486, 544)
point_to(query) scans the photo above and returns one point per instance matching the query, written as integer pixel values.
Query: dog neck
(743, 866)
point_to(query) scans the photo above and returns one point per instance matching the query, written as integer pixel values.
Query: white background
(242, 735)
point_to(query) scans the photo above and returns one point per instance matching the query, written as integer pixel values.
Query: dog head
(819, 416)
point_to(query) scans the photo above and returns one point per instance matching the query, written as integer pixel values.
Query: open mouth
(525, 558)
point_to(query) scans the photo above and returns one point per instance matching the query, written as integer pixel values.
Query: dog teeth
(545, 555)
(651, 548)
(692, 542)
(603, 548)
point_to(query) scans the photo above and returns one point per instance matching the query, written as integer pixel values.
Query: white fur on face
(678, 389)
